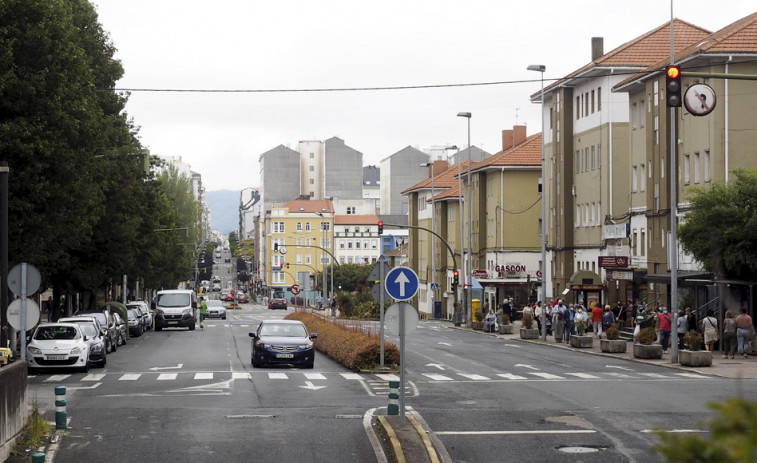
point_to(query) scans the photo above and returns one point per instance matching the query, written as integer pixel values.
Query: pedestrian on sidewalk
(596, 319)
(744, 332)
(729, 335)
(581, 317)
(691, 320)
(681, 326)
(537, 315)
(491, 321)
(710, 328)
(558, 325)
(570, 322)
(608, 318)
(664, 324)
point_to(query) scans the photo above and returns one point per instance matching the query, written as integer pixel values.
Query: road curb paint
(61, 417)
(394, 397)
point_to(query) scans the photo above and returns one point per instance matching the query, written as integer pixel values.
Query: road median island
(355, 350)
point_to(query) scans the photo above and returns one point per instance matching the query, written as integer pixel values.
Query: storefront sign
(480, 273)
(511, 271)
(613, 261)
(587, 287)
(626, 275)
(621, 230)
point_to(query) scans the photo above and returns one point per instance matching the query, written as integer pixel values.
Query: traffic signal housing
(275, 247)
(381, 227)
(455, 279)
(673, 87)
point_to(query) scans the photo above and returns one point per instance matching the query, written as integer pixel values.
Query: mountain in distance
(224, 210)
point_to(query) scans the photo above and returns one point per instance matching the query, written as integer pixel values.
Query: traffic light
(228, 270)
(455, 280)
(673, 86)
(287, 265)
(381, 227)
(275, 247)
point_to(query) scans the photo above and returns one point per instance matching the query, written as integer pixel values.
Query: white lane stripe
(129, 377)
(55, 378)
(510, 376)
(495, 433)
(314, 376)
(619, 375)
(691, 375)
(654, 375)
(474, 377)
(583, 375)
(203, 375)
(351, 376)
(545, 375)
(674, 431)
(239, 375)
(388, 377)
(167, 376)
(277, 376)
(94, 377)
(437, 377)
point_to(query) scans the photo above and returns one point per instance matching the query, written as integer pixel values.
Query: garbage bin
(437, 309)
(476, 305)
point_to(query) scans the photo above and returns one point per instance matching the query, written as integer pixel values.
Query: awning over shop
(585, 280)
(683, 277)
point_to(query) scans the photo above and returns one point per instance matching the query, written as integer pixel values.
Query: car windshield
(278, 295)
(88, 329)
(173, 300)
(284, 330)
(98, 315)
(56, 332)
(215, 303)
(133, 314)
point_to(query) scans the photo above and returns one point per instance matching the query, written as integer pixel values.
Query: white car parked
(58, 345)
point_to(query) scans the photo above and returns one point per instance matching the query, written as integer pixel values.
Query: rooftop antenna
(516, 115)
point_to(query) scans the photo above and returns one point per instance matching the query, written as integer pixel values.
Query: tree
(720, 230)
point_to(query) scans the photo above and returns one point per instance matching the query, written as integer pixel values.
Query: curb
(426, 441)
(399, 455)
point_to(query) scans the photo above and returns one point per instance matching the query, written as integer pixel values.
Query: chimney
(507, 139)
(597, 48)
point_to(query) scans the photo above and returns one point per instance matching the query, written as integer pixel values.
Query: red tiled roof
(446, 179)
(527, 153)
(352, 219)
(310, 205)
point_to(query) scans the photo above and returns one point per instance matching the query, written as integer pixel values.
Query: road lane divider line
(545, 375)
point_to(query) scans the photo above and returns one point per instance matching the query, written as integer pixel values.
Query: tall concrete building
(279, 176)
(343, 170)
(399, 171)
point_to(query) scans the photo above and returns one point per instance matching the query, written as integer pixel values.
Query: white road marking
(546, 375)
(494, 433)
(654, 375)
(129, 377)
(94, 386)
(526, 366)
(314, 376)
(55, 378)
(203, 375)
(474, 377)
(437, 377)
(691, 375)
(583, 375)
(240, 375)
(619, 367)
(277, 376)
(167, 376)
(674, 430)
(351, 376)
(94, 377)
(619, 375)
(510, 376)
(388, 377)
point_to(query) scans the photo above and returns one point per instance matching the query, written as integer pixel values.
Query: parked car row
(87, 337)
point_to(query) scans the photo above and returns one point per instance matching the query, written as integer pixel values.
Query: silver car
(216, 309)
(58, 345)
(95, 334)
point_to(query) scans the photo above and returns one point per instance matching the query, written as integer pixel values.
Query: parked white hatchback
(58, 345)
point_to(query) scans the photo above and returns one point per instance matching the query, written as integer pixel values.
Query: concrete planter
(581, 341)
(753, 345)
(479, 326)
(695, 358)
(647, 351)
(505, 329)
(613, 346)
(526, 333)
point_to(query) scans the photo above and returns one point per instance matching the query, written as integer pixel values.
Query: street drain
(579, 449)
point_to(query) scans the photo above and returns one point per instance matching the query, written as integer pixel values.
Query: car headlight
(262, 345)
(77, 350)
(33, 350)
(306, 346)
(97, 347)
(187, 312)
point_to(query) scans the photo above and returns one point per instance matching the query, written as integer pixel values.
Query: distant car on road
(277, 303)
(216, 309)
(282, 342)
(242, 298)
(216, 286)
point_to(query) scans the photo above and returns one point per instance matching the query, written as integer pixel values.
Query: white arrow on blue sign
(401, 283)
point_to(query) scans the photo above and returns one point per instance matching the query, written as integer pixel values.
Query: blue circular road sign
(401, 283)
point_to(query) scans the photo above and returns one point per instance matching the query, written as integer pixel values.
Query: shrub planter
(529, 333)
(505, 329)
(612, 346)
(647, 351)
(479, 326)
(695, 358)
(581, 341)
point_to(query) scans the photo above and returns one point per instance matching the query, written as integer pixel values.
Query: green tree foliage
(351, 277)
(720, 230)
(732, 437)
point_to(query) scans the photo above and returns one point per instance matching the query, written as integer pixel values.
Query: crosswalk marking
(691, 375)
(474, 377)
(203, 375)
(619, 375)
(583, 375)
(167, 376)
(437, 377)
(56, 378)
(239, 375)
(94, 377)
(314, 376)
(654, 375)
(545, 375)
(351, 376)
(277, 375)
(388, 377)
(129, 377)
(510, 376)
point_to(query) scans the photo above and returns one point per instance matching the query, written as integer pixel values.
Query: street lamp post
(541, 68)
(433, 227)
(468, 200)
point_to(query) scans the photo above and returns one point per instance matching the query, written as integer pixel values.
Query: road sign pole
(403, 307)
(23, 311)
(381, 307)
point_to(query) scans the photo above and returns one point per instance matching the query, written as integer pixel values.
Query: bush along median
(355, 350)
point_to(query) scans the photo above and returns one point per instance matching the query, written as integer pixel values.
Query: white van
(175, 308)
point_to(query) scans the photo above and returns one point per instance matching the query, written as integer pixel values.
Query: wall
(12, 405)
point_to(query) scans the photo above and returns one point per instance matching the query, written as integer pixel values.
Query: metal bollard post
(38, 457)
(394, 397)
(61, 417)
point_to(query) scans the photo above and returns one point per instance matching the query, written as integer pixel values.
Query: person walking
(664, 324)
(681, 326)
(203, 312)
(558, 324)
(570, 322)
(608, 318)
(744, 332)
(710, 328)
(691, 320)
(596, 319)
(581, 318)
(729, 335)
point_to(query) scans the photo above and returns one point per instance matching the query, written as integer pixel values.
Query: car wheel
(123, 339)
(256, 364)
(102, 362)
(85, 368)
(191, 327)
(31, 371)
(114, 345)
(310, 365)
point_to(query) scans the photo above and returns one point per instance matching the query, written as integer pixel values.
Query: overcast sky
(312, 44)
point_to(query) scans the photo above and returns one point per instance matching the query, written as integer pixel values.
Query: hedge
(355, 350)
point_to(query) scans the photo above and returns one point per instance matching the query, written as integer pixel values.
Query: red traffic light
(674, 72)
(380, 227)
(457, 273)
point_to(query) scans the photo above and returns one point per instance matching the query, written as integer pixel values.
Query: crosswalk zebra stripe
(203, 375)
(474, 377)
(437, 377)
(277, 376)
(238, 375)
(94, 377)
(351, 376)
(510, 376)
(545, 375)
(167, 376)
(55, 378)
(388, 377)
(129, 377)
(314, 376)
(583, 375)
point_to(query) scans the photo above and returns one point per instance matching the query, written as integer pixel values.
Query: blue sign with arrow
(401, 283)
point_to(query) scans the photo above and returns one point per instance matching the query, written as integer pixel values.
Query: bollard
(38, 457)
(61, 417)
(394, 398)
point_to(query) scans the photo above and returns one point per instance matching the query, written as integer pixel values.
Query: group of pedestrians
(737, 333)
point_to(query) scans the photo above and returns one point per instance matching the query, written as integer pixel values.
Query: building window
(374, 244)
(312, 181)
(599, 98)
(599, 156)
(349, 244)
(341, 244)
(592, 101)
(633, 116)
(634, 181)
(578, 216)
(656, 129)
(312, 194)
(662, 167)
(642, 113)
(656, 92)
(312, 168)
(365, 244)
(592, 156)
(298, 260)
(706, 166)
(278, 227)
(299, 226)
(341, 260)
(325, 226)
(307, 226)
(643, 242)
(357, 244)
(696, 168)
(642, 178)
(351, 210)
(299, 242)
(586, 104)
(578, 107)
(578, 161)
(312, 155)
(308, 259)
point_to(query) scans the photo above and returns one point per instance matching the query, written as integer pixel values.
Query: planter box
(695, 358)
(613, 346)
(581, 341)
(505, 329)
(526, 333)
(647, 351)
(753, 346)
(477, 326)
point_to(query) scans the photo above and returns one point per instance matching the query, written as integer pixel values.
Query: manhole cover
(577, 449)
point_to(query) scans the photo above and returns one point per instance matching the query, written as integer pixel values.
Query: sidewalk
(738, 368)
